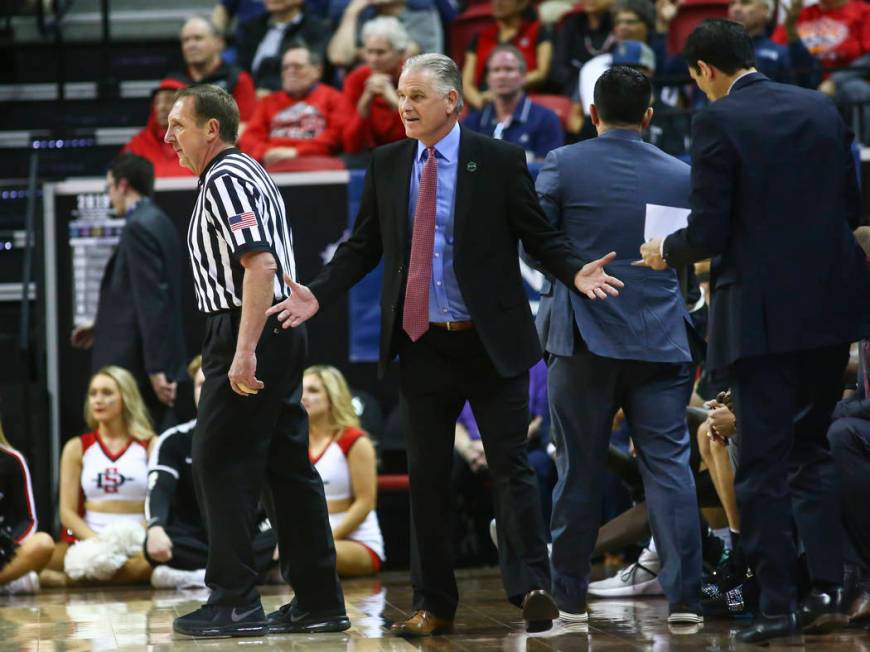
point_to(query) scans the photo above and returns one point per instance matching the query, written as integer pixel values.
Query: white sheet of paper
(663, 220)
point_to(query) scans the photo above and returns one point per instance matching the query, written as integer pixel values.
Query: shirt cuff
(662, 248)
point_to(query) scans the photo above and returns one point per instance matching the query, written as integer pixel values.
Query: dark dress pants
(439, 373)
(785, 472)
(248, 446)
(849, 439)
(585, 392)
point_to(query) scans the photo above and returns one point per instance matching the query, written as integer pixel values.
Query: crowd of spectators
(342, 101)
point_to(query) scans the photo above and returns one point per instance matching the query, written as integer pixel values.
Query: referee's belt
(453, 325)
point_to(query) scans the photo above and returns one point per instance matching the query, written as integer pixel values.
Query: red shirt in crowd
(314, 124)
(836, 36)
(382, 126)
(149, 144)
(530, 34)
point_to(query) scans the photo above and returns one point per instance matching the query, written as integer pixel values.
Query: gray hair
(208, 22)
(444, 71)
(387, 27)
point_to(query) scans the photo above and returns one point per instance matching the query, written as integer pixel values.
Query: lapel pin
(471, 166)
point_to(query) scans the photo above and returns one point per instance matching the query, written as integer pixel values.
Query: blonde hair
(341, 412)
(134, 413)
(3, 440)
(194, 367)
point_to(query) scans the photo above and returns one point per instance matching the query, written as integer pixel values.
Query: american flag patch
(242, 221)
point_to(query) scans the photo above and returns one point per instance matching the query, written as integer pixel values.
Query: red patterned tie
(415, 319)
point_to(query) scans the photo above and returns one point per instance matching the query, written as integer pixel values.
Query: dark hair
(210, 101)
(721, 43)
(314, 57)
(138, 171)
(507, 47)
(643, 9)
(622, 95)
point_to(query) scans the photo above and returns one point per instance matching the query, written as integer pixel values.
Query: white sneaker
(573, 619)
(27, 583)
(165, 577)
(641, 578)
(685, 618)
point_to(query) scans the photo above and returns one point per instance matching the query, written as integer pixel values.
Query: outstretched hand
(296, 309)
(593, 282)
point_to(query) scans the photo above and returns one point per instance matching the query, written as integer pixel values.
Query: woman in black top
(24, 552)
(580, 37)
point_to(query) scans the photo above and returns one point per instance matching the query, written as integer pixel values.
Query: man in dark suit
(633, 353)
(446, 210)
(774, 192)
(138, 325)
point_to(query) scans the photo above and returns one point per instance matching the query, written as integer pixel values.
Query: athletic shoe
(27, 583)
(739, 602)
(291, 619)
(572, 618)
(681, 614)
(217, 620)
(641, 578)
(164, 577)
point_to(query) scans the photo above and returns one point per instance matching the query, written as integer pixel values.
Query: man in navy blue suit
(633, 353)
(774, 193)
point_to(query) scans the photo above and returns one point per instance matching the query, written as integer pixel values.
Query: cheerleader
(345, 459)
(103, 485)
(24, 552)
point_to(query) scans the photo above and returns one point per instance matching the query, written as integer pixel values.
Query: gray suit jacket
(597, 191)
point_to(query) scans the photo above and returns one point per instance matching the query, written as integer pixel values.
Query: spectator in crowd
(635, 20)
(423, 28)
(242, 10)
(580, 37)
(24, 552)
(836, 32)
(138, 325)
(371, 88)
(511, 115)
(103, 481)
(201, 47)
(345, 458)
(772, 59)
(176, 543)
(149, 143)
(305, 118)
(514, 24)
(262, 41)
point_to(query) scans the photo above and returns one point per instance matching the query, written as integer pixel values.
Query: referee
(249, 429)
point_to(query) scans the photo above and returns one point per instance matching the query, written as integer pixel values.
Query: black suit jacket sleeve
(714, 164)
(542, 241)
(359, 254)
(151, 296)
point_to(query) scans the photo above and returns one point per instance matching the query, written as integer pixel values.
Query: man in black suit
(138, 325)
(774, 192)
(446, 210)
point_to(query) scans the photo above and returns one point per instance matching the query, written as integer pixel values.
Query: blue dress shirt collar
(447, 148)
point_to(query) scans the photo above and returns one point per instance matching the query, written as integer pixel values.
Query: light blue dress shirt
(445, 299)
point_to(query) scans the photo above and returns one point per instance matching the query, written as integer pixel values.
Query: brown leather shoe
(422, 623)
(859, 612)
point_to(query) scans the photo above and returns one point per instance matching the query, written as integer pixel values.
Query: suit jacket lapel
(465, 177)
(402, 193)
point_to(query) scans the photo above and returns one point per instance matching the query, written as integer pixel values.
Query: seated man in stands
(515, 23)
(511, 115)
(262, 40)
(771, 59)
(371, 89)
(176, 543)
(149, 143)
(306, 118)
(201, 47)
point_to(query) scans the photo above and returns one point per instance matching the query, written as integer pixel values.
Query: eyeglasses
(294, 66)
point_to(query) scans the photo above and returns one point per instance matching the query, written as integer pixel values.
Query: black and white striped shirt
(238, 210)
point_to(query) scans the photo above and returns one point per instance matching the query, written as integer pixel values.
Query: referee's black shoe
(217, 620)
(292, 619)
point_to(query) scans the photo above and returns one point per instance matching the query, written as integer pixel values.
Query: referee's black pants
(247, 445)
